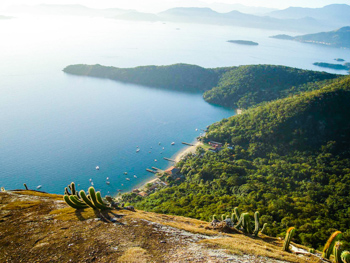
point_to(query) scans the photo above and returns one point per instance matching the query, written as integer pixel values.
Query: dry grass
(268, 247)
(17, 205)
(134, 255)
(188, 224)
(69, 214)
(37, 193)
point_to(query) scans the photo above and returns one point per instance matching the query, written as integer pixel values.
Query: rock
(131, 208)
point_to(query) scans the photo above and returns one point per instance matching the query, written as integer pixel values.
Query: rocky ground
(39, 227)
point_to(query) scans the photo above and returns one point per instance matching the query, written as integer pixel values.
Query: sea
(56, 128)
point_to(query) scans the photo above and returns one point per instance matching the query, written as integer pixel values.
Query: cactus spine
(71, 204)
(25, 186)
(289, 235)
(345, 256)
(338, 248)
(328, 248)
(257, 226)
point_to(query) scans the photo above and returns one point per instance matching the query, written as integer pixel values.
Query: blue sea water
(56, 128)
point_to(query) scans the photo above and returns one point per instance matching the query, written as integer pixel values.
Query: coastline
(177, 157)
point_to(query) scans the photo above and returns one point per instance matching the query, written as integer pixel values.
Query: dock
(168, 159)
(156, 169)
(151, 171)
(189, 144)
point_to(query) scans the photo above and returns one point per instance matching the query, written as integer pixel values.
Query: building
(173, 171)
(215, 145)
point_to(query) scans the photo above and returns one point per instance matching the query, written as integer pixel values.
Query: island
(243, 42)
(345, 66)
(339, 59)
(337, 38)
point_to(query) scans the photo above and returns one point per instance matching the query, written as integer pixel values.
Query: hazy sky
(159, 4)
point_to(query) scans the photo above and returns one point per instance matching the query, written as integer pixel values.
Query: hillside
(36, 226)
(337, 38)
(290, 160)
(233, 87)
(247, 86)
(181, 77)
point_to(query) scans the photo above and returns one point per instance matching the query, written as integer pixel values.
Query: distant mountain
(335, 15)
(254, 10)
(337, 38)
(235, 18)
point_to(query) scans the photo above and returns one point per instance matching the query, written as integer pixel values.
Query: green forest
(289, 159)
(234, 87)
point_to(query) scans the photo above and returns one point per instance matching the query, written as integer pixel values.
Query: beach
(177, 157)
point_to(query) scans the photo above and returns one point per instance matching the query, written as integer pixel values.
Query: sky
(156, 5)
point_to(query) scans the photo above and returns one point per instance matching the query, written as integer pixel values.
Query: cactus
(246, 223)
(86, 199)
(77, 201)
(223, 217)
(71, 204)
(66, 192)
(99, 198)
(257, 226)
(289, 235)
(239, 223)
(25, 186)
(263, 229)
(94, 199)
(345, 256)
(328, 248)
(338, 248)
(233, 218)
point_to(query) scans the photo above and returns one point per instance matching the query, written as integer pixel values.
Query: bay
(56, 128)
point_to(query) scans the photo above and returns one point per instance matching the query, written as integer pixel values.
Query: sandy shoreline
(177, 157)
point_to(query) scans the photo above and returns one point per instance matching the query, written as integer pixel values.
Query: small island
(345, 66)
(243, 42)
(283, 36)
(339, 59)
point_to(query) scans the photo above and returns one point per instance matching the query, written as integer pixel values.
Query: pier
(168, 159)
(189, 144)
(151, 171)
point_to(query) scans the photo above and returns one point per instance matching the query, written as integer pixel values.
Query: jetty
(168, 159)
(151, 171)
(189, 144)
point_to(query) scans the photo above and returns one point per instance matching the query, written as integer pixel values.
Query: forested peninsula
(235, 87)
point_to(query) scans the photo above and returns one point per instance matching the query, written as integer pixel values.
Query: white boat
(127, 179)
(107, 178)
(158, 143)
(173, 143)
(196, 129)
(163, 148)
(97, 167)
(137, 150)
(125, 172)
(135, 176)
(39, 186)
(107, 182)
(155, 160)
(90, 180)
(92, 183)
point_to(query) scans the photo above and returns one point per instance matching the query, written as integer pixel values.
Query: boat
(149, 152)
(107, 178)
(127, 179)
(39, 186)
(155, 160)
(196, 129)
(92, 183)
(107, 182)
(137, 150)
(122, 184)
(158, 143)
(163, 148)
(97, 167)
(173, 143)
(125, 172)
(90, 180)
(135, 176)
